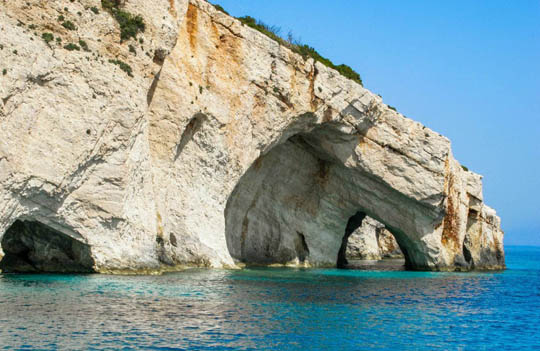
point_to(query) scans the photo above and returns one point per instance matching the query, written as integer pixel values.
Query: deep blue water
(277, 309)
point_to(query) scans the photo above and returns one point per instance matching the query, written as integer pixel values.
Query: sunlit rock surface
(224, 148)
(371, 241)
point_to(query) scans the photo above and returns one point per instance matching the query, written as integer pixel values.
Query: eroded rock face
(372, 241)
(224, 147)
(388, 246)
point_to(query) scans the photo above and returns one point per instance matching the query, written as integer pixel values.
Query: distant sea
(277, 309)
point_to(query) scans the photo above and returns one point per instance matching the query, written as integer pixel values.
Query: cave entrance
(299, 203)
(33, 247)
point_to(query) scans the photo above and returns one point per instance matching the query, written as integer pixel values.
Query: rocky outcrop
(371, 241)
(221, 148)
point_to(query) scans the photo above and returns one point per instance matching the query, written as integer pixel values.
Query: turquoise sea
(277, 309)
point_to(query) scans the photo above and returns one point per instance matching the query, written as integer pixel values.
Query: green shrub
(32, 26)
(58, 40)
(48, 37)
(69, 25)
(15, 52)
(465, 168)
(110, 5)
(130, 25)
(61, 18)
(4, 72)
(123, 66)
(392, 107)
(132, 49)
(306, 51)
(72, 47)
(348, 72)
(219, 8)
(94, 10)
(83, 45)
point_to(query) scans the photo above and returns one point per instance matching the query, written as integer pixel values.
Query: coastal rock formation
(206, 143)
(371, 241)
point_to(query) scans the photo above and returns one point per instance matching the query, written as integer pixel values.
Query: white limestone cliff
(223, 148)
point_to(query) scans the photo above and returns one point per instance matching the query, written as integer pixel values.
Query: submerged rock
(210, 144)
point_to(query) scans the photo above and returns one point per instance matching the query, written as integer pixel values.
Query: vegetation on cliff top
(219, 8)
(295, 45)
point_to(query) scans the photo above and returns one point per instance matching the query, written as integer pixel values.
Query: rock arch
(288, 150)
(307, 190)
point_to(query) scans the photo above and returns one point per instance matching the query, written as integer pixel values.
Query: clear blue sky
(469, 70)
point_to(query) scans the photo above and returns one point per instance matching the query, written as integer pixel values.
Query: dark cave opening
(33, 247)
(354, 223)
(302, 249)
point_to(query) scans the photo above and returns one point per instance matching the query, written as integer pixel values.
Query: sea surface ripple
(277, 309)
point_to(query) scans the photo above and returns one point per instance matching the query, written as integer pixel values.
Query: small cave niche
(472, 228)
(192, 127)
(302, 249)
(33, 247)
